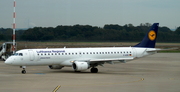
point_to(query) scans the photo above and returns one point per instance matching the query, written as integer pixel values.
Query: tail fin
(149, 40)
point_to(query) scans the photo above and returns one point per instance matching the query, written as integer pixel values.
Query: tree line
(110, 32)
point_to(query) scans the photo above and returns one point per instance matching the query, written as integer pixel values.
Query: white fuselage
(64, 56)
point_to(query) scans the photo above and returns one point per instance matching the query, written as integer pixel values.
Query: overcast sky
(51, 13)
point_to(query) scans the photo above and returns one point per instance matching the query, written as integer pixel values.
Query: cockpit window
(18, 54)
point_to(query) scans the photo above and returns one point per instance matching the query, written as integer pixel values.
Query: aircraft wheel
(94, 70)
(23, 71)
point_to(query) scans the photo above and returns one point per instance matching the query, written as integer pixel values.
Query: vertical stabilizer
(149, 40)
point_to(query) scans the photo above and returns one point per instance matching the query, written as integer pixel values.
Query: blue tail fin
(149, 40)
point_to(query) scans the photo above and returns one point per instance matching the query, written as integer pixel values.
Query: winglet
(149, 40)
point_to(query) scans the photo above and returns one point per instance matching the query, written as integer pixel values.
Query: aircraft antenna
(14, 29)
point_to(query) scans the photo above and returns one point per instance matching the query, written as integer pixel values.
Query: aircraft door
(134, 52)
(31, 55)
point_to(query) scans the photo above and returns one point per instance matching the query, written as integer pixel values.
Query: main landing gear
(94, 70)
(23, 71)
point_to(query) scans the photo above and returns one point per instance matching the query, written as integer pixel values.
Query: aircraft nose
(8, 61)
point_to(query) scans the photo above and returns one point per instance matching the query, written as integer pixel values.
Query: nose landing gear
(23, 71)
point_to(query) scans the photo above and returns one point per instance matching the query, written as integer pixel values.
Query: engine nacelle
(80, 66)
(55, 66)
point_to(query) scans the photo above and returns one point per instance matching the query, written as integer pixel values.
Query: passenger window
(87, 52)
(96, 52)
(90, 52)
(72, 53)
(48, 54)
(130, 52)
(69, 53)
(45, 54)
(114, 52)
(52, 54)
(59, 53)
(38, 54)
(102, 52)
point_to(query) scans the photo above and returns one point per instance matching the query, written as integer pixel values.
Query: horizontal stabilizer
(158, 49)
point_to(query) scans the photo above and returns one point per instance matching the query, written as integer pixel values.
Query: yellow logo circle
(152, 35)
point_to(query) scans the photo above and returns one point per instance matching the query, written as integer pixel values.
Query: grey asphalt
(155, 73)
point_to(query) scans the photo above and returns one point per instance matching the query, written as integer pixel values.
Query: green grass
(169, 51)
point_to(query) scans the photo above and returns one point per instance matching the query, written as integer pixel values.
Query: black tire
(23, 72)
(94, 70)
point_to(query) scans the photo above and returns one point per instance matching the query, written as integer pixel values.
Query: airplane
(81, 59)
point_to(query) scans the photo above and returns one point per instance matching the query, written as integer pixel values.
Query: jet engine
(80, 66)
(55, 66)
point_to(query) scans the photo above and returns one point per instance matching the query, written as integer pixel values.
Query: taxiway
(155, 73)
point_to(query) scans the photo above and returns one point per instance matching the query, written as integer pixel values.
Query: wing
(84, 64)
(101, 62)
(113, 59)
(109, 61)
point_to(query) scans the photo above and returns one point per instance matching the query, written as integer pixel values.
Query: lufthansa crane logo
(152, 35)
